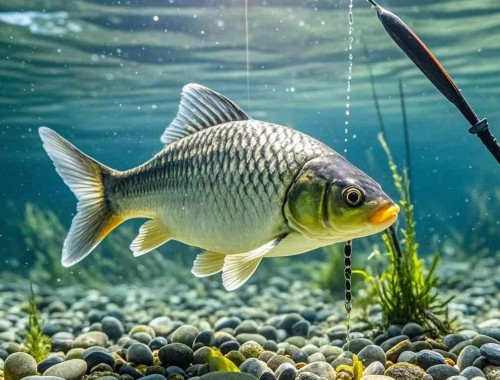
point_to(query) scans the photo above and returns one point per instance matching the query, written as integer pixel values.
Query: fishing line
(350, 17)
(348, 244)
(248, 54)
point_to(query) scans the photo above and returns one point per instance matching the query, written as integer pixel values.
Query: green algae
(36, 344)
(406, 290)
(112, 263)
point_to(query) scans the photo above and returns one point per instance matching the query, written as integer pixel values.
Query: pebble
(300, 357)
(316, 357)
(139, 353)
(408, 357)
(268, 332)
(91, 339)
(393, 353)
(286, 371)
(112, 327)
(491, 351)
(247, 327)
(142, 337)
(321, 369)
(206, 338)
(278, 360)
(230, 345)
(254, 367)
(251, 349)
(480, 339)
(242, 338)
(49, 362)
(185, 334)
(356, 345)
(19, 365)
(471, 372)
(391, 342)
(36, 377)
(451, 340)
(288, 321)
(375, 368)
(227, 376)
(177, 354)
(131, 371)
(427, 359)
(490, 372)
(405, 371)
(97, 355)
(227, 322)
(372, 353)
(467, 356)
(412, 329)
(142, 328)
(202, 355)
(442, 371)
(301, 328)
(73, 369)
(157, 343)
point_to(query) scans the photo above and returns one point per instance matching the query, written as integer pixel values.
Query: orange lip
(384, 215)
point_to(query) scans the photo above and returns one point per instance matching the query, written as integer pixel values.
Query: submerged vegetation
(37, 344)
(406, 291)
(113, 264)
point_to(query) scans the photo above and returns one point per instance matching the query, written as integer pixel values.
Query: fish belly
(224, 188)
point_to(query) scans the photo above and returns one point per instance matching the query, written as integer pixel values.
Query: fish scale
(206, 183)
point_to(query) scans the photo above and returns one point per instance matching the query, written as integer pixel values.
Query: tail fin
(84, 176)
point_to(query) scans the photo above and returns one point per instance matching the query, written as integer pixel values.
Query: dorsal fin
(201, 108)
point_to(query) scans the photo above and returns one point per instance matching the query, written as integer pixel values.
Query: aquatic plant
(37, 344)
(406, 291)
(350, 372)
(44, 235)
(218, 362)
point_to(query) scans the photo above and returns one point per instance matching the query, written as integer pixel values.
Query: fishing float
(422, 57)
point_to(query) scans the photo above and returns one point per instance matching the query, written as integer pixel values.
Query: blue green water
(107, 75)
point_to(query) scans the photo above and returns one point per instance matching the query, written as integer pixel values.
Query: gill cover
(306, 207)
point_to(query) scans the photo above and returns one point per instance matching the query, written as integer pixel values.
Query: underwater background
(107, 75)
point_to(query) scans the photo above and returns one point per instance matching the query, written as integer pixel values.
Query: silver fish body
(239, 188)
(223, 188)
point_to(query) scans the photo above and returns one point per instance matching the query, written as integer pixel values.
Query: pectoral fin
(151, 235)
(208, 263)
(239, 268)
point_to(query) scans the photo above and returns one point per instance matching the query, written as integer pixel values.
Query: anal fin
(151, 235)
(239, 268)
(208, 263)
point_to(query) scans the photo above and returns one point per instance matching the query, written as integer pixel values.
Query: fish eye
(352, 196)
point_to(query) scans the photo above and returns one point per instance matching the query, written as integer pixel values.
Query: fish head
(334, 200)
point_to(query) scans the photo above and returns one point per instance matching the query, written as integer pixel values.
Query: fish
(238, 188)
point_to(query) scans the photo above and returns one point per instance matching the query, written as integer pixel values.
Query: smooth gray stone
(467, 356)
(442, 371)
(227, 376)
(73, 369)
(471, 372)
(492, 352)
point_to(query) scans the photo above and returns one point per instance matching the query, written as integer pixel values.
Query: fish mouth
(384, 215)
